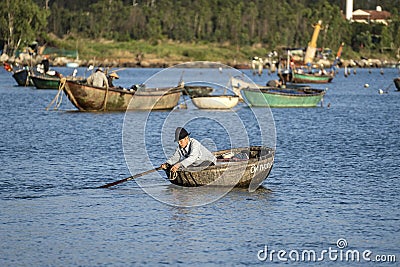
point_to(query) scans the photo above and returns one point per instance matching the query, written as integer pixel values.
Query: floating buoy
(183, 106)
(366, 85)
(380, 91)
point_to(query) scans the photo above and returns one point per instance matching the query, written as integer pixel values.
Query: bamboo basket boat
(234, 171)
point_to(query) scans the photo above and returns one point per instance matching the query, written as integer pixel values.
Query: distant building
(371, 16)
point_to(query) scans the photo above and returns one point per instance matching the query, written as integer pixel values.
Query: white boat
(72, 65)
(216, 101)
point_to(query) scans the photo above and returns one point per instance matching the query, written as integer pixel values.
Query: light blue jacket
(192, 155)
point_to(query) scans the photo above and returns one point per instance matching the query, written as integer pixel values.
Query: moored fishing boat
(297, 76)
(216, 101)
(238, 83)
(22, 77)
(239, 167)
(283, 97)
(45, 81)
(90, 98)
(397, 83)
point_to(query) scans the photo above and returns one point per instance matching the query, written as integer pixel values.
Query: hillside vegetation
(228, 31)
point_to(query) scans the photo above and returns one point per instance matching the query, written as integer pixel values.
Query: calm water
(336, 175)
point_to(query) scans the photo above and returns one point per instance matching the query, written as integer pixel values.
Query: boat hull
(306, 78)
(22, 78)
(46, 82)
(89, 98)
(397, 83)
(215, 102)
(282, 98)
(252, 171)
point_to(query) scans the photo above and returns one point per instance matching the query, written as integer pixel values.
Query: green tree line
(274, 24)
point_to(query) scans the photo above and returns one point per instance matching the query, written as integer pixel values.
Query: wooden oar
(130, 178)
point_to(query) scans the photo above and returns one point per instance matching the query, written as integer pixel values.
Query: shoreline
(25, 60)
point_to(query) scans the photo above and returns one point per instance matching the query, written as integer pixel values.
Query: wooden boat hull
(283, 98)
(216, 102)
(229, 173)
(90, 98)
(397, 83)
(22, 78)
(45, 82)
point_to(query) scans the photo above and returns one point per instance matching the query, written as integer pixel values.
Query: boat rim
(223, 164)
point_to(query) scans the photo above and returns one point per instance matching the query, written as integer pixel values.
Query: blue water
(336, 175)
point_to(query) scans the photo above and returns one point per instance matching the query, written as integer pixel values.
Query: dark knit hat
(180, 133)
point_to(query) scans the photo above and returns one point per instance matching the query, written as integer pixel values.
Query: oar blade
(113, 183)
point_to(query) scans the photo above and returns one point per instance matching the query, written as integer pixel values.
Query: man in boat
(111, 77)
(190, 152)
(46, 64)
(98, 79)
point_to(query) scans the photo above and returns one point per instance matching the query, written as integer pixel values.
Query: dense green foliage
(271, 23)
(21, 22)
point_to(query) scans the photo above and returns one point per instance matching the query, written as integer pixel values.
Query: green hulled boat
(46, 82)
(283, 97)
(299, 77)
(312, 78)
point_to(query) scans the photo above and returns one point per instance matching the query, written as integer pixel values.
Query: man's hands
(173, 168)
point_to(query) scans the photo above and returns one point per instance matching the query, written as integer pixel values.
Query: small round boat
(238, 167)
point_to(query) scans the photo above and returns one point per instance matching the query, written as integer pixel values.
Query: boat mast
(312, 46)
